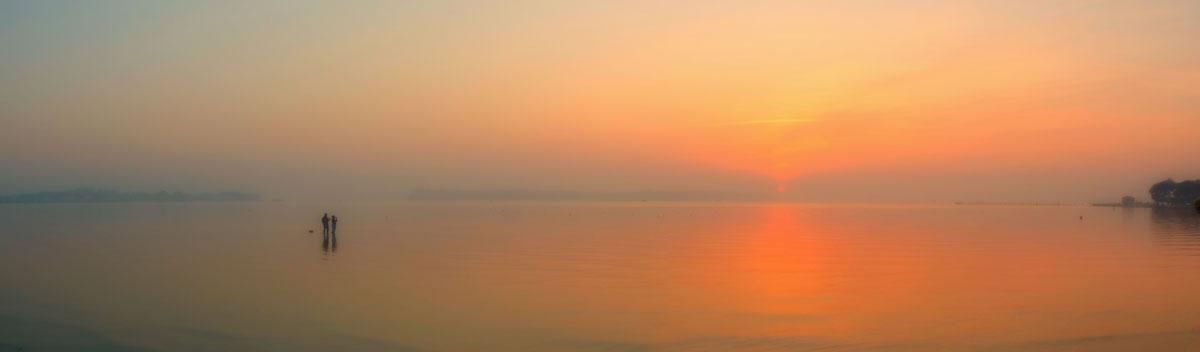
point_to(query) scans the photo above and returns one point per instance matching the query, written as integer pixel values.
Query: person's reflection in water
(325, 244)
(329, 237)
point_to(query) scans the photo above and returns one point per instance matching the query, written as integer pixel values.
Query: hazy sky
(823, 101)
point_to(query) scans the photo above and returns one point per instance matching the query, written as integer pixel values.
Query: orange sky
(855, 101)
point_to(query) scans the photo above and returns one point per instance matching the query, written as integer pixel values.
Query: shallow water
(597, 277)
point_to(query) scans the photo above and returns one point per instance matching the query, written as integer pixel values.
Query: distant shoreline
(424, 194)
(127, 201)
(1119, 205)
(86, 195)
(1027, 204)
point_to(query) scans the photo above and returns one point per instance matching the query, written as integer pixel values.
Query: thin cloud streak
(763, 122)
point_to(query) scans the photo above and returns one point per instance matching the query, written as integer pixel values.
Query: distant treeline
(1171, 193)
(88, 195)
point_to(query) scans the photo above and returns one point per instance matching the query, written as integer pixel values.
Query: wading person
(325, 224)
(333, 223)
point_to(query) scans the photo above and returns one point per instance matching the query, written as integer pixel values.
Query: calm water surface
(597, 277)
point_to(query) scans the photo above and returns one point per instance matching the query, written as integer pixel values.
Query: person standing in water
(334, 225)
(325, 224)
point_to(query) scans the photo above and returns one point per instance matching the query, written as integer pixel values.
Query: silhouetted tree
(1174, 193)
(1163, 192)
(1186, 192)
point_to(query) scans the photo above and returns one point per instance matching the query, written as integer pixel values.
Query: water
(597, 277)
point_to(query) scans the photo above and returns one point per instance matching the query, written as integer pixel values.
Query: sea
(603, 276)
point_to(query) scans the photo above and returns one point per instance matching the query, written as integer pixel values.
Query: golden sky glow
(944, 99)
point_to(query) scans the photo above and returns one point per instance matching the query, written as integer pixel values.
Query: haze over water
(639, 276)
(579, 175)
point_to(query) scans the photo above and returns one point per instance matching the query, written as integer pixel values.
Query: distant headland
(1166, 193)
(89, 195)
(1171, 193)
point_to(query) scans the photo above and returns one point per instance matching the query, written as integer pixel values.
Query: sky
(824, 101)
